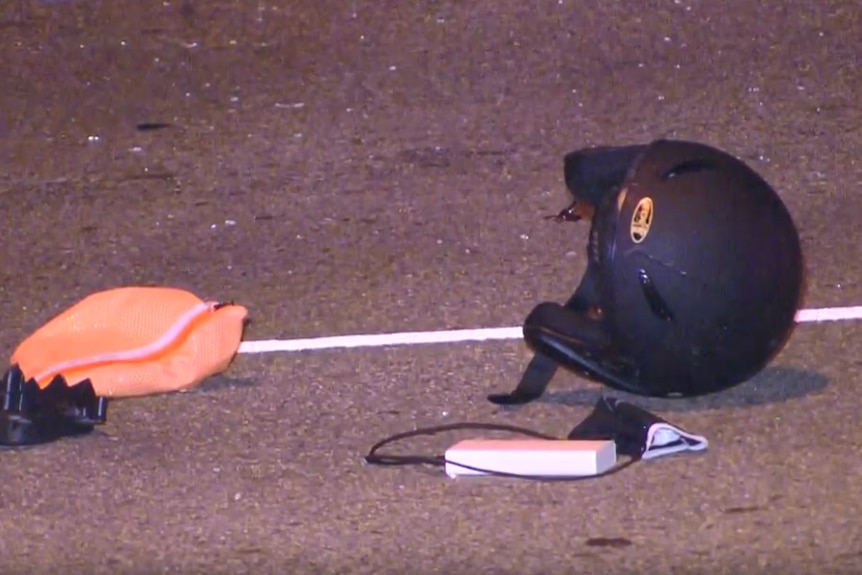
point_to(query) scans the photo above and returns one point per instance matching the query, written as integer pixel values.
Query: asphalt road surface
(368, 166)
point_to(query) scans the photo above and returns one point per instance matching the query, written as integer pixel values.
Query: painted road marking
(461, 335)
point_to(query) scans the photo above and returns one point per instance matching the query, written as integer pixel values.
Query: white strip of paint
(462, 335)
(829, 314)
(381, 339)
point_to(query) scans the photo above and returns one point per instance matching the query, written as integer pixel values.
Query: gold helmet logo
(641, 220)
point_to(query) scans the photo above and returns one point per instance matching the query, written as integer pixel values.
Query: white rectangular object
(531, 457)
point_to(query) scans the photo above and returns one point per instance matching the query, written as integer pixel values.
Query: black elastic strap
(373, 458)
(541, 369)
(534, 381)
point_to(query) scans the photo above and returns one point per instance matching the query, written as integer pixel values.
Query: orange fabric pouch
(135, 341)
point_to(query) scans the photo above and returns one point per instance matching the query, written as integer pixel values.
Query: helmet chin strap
(542, 368)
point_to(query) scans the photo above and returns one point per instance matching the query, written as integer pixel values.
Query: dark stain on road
(614, 542)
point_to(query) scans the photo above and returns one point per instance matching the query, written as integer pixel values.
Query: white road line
(381, 339)
(462, 335)
(829, 314)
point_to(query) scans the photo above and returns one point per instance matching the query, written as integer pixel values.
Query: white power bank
(530, 457)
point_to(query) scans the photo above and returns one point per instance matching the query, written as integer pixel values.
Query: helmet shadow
(775, 384)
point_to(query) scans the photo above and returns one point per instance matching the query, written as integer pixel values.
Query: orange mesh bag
(134, 341)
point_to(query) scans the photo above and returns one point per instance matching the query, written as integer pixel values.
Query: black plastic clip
(30, 415)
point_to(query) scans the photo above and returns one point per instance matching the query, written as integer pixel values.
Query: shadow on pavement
(773, 385)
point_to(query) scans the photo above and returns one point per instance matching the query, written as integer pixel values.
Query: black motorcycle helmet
(694, 274)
